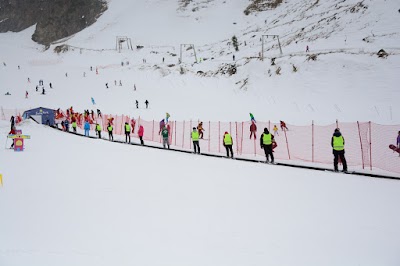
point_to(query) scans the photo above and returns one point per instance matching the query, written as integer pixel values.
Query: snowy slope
(98, 203)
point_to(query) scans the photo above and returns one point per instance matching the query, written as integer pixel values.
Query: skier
(165, 136)
(12, 132)
(12, 120)
(195, 139)
(66, 124)
(98, 130)
(26, 94)
(276, 130)
(120, 83)
(74, 126)
(200, 129)
(137, 104)
(337, 144)
(147, 103)
(133, 124)
(228, 142)
(398, 140)
(106, 85)
(110, 132)
(253, 130)
(99, 113)
(307, 49)
(86, 127)
(134, 87)
(266, 141)
(93, 102)
(37, 87)
(141, 133)
(283, 125)
(43, 91)
(162, 124)
(50, 85)
(66, 74)
(233, 57)
(127, 132)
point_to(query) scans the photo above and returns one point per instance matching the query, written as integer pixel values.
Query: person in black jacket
(266, 141)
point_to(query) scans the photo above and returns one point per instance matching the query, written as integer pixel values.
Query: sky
(68, 200)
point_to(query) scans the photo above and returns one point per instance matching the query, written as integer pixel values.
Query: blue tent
(41, 115)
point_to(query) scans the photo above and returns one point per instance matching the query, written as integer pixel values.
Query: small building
(41, 115)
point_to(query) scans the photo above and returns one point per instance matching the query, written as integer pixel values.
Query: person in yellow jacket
(98, 130)
(337, 144)
(228, 143)
(266, 141)
(74, 125)
(127, 132)
(195, 138)
(110, 132)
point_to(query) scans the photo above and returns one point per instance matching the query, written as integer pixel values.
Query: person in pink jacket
(140, 133)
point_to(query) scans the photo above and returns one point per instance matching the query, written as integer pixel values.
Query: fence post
(209, 135)
(219, 136)
(175, 132)
(312, 134)
(269, 125)
(237, 142)
(183, 135)
(190, 143)
(370, 145)
(152, 132)
(337, 123)
(362, 151)
(287, 144)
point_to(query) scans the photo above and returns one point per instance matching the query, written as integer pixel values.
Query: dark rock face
(54, 19)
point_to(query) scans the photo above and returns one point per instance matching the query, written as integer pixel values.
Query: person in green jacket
(337, 143)
(110, 132)
(74, 126)
(228, 142)
(195, 138)
(127, 132)
(165, 136)
(98, 130)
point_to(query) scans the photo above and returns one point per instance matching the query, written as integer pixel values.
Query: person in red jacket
(253, 130)
(283, 126)
(140, 133)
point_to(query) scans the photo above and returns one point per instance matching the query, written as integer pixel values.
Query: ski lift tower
(190, 46)
(266, 37)
(119, 42)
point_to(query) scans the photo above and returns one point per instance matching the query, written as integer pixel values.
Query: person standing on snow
(165, 136)
(137, 104)
(12, 132)
(86, 127)
(253, 130)
(74, 126)
(110, 132)
(127, 132)
(266, 141)
(98, 130)
(195, 139)
(337, 144)
(147, 104)
(141, 133)
(228, 143)
(12, 120)
(66, 124)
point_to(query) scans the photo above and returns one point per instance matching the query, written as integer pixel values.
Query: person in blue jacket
(66, 124)
(86, 127)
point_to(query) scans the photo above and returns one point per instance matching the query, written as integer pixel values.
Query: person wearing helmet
(195, 138)
(228, 143)
(337, 144)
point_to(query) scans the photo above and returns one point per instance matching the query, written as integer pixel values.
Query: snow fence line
(237, 158)
(366, 143)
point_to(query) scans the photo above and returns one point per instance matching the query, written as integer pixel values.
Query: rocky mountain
(54, 19)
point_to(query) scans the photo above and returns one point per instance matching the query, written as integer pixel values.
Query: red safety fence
(366, 143)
